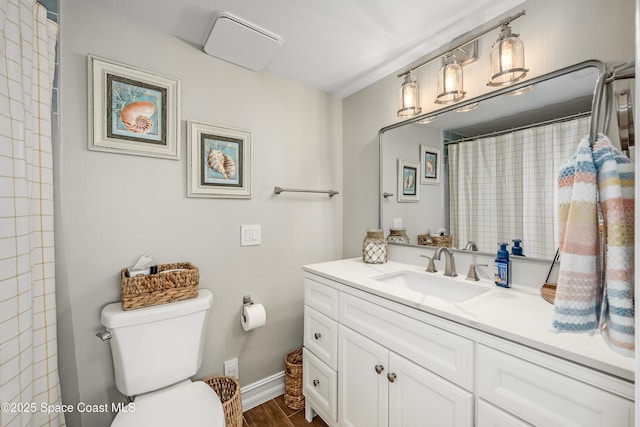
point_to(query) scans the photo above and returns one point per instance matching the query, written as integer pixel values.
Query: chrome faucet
(471, 246)
(450, 266)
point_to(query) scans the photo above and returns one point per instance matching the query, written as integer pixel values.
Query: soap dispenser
(516, 249)
(503, 267)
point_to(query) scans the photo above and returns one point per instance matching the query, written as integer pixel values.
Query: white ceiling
(338, 46)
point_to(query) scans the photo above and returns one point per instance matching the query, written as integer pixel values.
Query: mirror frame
(599, 65)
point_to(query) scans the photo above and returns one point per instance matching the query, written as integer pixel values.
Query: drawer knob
(317, 335)
(316, 383)
(391, 377)
(379, 369)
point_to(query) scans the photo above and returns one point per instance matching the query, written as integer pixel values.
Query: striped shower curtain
(29, 385)
(504, 187)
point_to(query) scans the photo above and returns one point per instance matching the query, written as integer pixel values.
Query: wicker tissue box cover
(179, 282)
(429, 240)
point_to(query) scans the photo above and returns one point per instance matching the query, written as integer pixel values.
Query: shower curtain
(29, 384)
(485, 173)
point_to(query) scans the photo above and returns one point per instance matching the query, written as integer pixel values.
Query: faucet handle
(473, 274)
(431, 268)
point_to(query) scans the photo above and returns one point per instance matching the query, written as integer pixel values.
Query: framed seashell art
(132, 111)
(430, 162)
(408, 181)
(219, 161)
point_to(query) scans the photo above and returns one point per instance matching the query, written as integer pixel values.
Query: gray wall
(111, 208)
(556, 34)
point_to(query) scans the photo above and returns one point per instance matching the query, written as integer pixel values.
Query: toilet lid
(194, 404)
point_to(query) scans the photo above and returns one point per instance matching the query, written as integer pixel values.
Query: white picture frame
(132, 111)
(430, 161)
(408, 181)
(219, 161)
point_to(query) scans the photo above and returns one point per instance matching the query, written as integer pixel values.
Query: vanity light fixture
(468, 107)
(409, 97)
(450, 83)
(507, 66)
(521, 90)
(427, 120)
(507, 58)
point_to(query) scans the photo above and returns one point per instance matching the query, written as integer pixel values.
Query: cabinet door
(362, 378)
(419, 398)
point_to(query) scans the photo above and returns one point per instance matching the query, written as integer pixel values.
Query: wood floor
(275, 413)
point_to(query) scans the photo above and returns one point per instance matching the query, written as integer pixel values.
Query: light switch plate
(250, 235)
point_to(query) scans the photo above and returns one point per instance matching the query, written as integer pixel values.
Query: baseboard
(262, 391)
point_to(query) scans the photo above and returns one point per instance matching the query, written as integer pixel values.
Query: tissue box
(154, 289)
(429, 240)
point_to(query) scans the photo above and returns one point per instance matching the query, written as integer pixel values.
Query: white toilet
(156, 350)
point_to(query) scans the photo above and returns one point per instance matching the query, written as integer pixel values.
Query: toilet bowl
(193, 404)
(156, 350)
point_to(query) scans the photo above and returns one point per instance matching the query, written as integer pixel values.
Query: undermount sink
(432, 285)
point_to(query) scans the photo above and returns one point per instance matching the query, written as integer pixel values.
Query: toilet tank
(154, 347)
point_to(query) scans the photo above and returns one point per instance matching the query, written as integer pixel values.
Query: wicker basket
(228, 389)
(440, 241)
(293, 396)
(154, 289)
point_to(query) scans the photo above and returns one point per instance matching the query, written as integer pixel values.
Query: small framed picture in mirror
(408, 181)
(430, 162)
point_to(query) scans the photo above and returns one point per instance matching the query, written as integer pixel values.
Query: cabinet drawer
(321, 297)
(320, 383)
(442, 352)
(321, 336)
(490, 416)
(545, 398)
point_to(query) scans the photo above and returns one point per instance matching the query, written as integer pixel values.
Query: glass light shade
(409, 101)
(468, 107)
(507, 59)
(450, 81)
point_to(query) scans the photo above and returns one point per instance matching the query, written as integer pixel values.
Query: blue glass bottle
(503, 267)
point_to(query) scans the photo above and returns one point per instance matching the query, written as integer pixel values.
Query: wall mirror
(474, 139)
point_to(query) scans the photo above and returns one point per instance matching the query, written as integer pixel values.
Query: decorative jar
(374, 247)
(398, 235)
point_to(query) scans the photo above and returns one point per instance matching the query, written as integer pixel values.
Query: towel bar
(278, 190)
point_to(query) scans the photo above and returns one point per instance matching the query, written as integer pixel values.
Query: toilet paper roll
(253, 316)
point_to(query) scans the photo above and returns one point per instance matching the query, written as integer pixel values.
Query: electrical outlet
(231, 368)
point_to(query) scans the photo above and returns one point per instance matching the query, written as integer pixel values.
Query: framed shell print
(408, 181)
(132, 111)
(430, 162)
(219, 161)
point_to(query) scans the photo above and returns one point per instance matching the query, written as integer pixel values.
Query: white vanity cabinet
(381, 359)
(373, 362)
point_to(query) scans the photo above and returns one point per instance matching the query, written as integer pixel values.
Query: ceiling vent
(241, 42)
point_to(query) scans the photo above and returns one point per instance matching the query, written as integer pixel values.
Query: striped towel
(584, 301)
(579, 292)
(616, 190)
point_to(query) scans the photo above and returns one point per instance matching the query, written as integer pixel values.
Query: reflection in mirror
(496, 178)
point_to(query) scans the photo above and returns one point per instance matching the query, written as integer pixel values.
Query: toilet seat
(193, 404)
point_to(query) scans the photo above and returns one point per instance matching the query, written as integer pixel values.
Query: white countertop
(518, 313)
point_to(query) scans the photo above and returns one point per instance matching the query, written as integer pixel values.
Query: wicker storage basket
(429, 240)
(143, 291)
(293, 396)
(228, 389)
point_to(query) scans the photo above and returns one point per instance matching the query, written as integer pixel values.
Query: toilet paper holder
(246, 300)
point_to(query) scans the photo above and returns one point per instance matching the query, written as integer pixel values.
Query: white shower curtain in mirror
(28, 348)
(504, 187)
